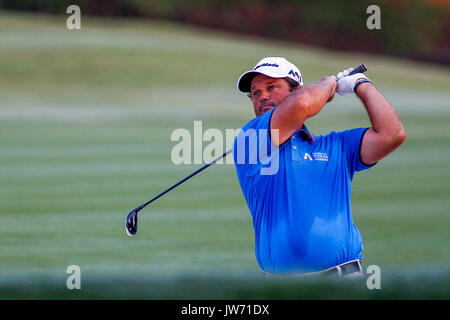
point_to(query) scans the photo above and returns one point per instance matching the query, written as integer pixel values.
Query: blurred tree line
(417, 29)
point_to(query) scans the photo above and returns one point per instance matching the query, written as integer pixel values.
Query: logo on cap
(267, 65)
(294, 74)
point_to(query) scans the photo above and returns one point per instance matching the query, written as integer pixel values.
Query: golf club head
(131, 222)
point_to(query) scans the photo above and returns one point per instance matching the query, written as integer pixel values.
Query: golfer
(301, 211)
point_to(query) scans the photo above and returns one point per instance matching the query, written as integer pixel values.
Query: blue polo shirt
(299, 196)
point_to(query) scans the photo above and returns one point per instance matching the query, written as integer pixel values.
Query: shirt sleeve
(252, 148)
(352, 141)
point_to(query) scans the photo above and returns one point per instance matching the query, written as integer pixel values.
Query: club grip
(360, 69)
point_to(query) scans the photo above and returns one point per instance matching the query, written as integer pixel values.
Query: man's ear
(296, 88)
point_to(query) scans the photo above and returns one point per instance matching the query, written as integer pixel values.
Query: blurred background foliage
(415, 29)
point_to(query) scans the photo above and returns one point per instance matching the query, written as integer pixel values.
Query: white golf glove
(346, 83)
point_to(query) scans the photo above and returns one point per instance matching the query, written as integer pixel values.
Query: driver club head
(131, 223)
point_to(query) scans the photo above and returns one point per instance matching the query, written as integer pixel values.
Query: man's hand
(346, 83)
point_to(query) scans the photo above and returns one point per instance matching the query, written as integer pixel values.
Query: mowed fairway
(86, 119)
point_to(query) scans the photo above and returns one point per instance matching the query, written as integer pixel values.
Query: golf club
(131, 220)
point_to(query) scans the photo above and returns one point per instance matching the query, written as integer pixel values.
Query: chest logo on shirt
(318, 156)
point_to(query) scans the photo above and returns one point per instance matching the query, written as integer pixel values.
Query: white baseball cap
(274, 67)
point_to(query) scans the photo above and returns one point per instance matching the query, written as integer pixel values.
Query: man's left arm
(387, 132)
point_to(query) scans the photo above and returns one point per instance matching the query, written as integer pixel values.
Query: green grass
(86, 118)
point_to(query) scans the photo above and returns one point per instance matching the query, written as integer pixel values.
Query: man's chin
(266, 109)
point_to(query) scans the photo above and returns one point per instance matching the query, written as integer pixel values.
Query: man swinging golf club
(301, 212)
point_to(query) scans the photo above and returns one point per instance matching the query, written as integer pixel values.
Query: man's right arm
(300, 105)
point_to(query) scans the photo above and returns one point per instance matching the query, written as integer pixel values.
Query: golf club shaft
(185, 179)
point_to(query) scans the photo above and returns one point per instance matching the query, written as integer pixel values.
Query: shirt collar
(304, 133)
